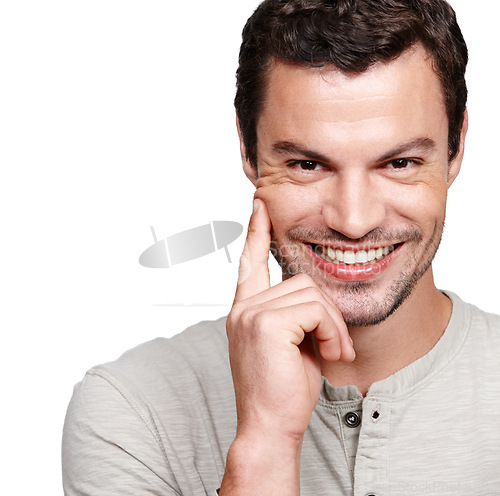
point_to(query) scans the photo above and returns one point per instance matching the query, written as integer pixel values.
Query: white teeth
(361, 256)
(339, 255)
(350, 257)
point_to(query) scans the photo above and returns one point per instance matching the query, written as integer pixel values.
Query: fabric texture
(160, 420)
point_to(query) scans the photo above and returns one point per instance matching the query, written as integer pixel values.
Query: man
(355, 375)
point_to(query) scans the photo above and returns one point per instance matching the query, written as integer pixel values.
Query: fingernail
(255, 206)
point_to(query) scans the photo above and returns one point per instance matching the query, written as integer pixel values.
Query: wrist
(258, 463)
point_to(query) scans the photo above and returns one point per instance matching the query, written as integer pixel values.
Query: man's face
(354, 171)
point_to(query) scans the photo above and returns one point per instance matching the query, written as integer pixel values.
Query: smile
(353, 265)
(352, 257)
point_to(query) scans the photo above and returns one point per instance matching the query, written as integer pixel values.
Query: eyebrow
(293, 149)
(289, 148)
(418, 144)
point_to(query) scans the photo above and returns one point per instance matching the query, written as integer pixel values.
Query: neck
(407, 335)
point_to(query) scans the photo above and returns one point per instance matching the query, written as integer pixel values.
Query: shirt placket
(371, 467)
(350, 418)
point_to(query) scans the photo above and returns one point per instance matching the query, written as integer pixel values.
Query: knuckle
(247, 318)
(317, 307)
(251, 324)
(236, 309)
(234, 316)
(312, 293)
(261, 321)
(305, 280)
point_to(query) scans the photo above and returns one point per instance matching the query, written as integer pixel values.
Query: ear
(250, 171)
(456, 163)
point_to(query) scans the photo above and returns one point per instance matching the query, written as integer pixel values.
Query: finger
(294, 284)
(302, 289)
(347, 347)
(327, 332)
(310, 317)
(327, 347)
(253, 275)
(304, 295)
(331, 334)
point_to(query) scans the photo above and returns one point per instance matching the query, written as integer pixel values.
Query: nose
(353, 204)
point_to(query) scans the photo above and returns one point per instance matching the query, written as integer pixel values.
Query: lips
(353, 265)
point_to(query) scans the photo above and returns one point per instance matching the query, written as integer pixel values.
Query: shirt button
(352, 419)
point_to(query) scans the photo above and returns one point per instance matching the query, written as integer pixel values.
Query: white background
(116, 116)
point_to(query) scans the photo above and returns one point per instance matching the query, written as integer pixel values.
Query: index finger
(253, 274)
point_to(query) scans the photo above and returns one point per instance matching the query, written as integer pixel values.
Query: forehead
(400, 97)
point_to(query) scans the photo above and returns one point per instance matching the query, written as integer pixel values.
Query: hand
(274, 358)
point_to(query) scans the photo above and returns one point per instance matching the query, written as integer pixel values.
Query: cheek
(290, 205)
(421, 204)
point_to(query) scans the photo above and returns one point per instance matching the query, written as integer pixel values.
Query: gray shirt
(160, 420)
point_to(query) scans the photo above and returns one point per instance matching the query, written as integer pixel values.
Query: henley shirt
(160, 420)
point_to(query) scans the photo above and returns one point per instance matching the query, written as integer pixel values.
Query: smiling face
(354, 171)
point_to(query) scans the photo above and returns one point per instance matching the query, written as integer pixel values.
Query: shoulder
(484, 339)
(482, 322)
(196, 349)
(487, 320)
(472, 316)
(480, 333)
(184, 365)
(146, 412)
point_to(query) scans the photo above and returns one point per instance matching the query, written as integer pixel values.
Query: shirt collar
(416, 374)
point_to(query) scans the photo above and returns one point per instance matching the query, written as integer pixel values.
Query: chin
(361, 308)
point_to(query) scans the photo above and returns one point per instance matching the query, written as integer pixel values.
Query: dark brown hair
(351, 35)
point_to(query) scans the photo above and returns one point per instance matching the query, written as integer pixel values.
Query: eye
(401, 163)
(307, 165)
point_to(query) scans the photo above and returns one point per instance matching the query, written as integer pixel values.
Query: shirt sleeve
(109, 447)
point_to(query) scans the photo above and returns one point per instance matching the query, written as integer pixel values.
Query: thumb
(253, 275)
